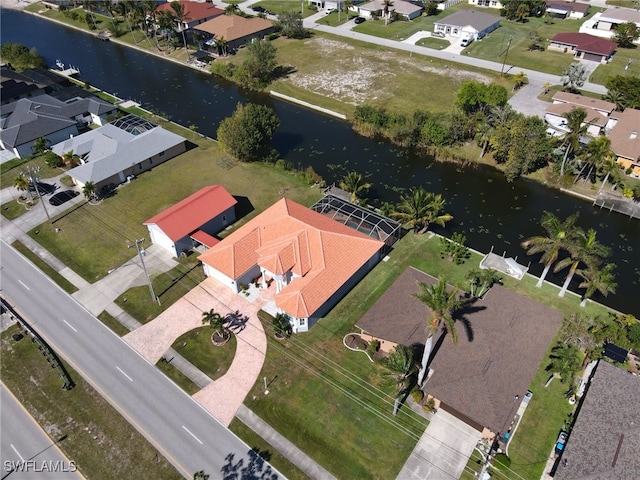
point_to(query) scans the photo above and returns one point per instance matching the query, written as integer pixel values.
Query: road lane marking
(69, 325)
(191, 433)
(18, 453)
(120, 370)
(22, 283)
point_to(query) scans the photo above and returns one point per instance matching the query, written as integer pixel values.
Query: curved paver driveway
(224, 396)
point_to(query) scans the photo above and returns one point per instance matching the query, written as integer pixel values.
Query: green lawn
(96, 437)
(435, 43)
(14, 208)
(62, 282)
(335, 19)
(93, 238)
(177, 376)
(628, 58)
(212, 360)
(279, 6)
(266, 451)
(113, 324)
(169, 287)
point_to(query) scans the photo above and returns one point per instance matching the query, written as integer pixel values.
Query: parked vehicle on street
(560, 442)
(358, 20)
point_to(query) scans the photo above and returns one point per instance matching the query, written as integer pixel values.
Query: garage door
(592, 56)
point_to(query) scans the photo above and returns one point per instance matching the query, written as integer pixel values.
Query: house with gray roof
(502, 340)
(27, 119)
(604, 441)
(120, 150)
(467, 23)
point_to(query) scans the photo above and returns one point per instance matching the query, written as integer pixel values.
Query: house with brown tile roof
(193, 221)
(195, 12)
(625, 141)
(496, 356)
(583, 46)
(312, 259)
(236, 30)
(598, 113)
(604, 441)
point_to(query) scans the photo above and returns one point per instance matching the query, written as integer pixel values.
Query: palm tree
(481, 280)
(21, 182)
(559, 236)
(353, 183)
(564, 362)
(400, 362)
(443, 304)
(571, 139)
(386, 11)
(151, 18)
(179, 14)
(483, 134)
(89, 190)
(597, 280)
(584, 249)
(347, 4)
(217, 323)
(420, 208)
(282, 325)
(222, 45)
(610, 168)
(123, 8)
(616, 96)
(596, 153)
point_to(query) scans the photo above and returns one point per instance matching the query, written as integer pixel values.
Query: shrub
(374, 345)
(417, 395)
(430, 406)
(53, 160)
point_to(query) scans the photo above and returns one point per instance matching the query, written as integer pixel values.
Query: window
(161, 154)
(303, 322)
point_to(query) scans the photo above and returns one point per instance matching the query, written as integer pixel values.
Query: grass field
(62, 282)
(97, 438)
(113, 324)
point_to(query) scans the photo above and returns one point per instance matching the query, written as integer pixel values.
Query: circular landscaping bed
(197, 346)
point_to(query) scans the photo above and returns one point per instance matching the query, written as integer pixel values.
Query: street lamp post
(504, 60)
(32, 175)
(144, 267)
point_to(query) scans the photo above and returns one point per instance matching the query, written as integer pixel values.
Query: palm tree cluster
(588, 154)
(583, 255)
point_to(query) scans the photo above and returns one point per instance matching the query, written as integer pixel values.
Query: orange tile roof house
(195, 12)
(193, 221)
(236, 30)
(312, 259)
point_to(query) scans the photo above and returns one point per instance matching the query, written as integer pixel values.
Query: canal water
(487, 209)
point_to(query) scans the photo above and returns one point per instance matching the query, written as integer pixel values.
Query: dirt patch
(357, 79)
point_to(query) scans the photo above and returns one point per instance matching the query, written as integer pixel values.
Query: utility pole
(32, 175)
(506, 52)
(144, 267)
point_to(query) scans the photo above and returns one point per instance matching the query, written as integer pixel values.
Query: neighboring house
(14, 85)
(604, 441)
(625, 141)
(120, 150)
(312, 260)
(27, 119)
(193, 221)
(235, 30)
(196, 13)
(326, 4)
(562, 9)
(584, 46)
(406, 10)
(487, 3)
(598, 118)
(479, 379)
(612, 17)
(467, 23)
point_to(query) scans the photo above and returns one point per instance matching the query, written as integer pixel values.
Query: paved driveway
(443, 451)
(223, 397)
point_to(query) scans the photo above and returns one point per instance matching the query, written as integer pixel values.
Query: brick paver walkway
(224, 396)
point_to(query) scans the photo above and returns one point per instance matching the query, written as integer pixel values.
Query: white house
(120, 150)
(467, 23)
(193, 221)
(406, 10)
(487, 3)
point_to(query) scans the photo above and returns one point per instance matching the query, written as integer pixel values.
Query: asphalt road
(27, 451)
(183, 432)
